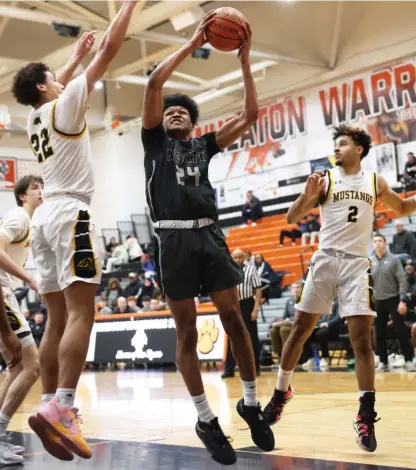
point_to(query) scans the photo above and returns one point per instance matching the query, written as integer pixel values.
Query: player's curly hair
(23, 184)
(184, 101)
(358, 135)
(24, 83)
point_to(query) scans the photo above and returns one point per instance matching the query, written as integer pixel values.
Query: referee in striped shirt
(249, 293)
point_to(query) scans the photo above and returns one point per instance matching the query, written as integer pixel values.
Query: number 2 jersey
(177, 185)
(60, 140)
(347, 211)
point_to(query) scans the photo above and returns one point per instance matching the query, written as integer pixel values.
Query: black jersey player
(193, 254)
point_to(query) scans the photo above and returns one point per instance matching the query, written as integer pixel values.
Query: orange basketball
(223, 33)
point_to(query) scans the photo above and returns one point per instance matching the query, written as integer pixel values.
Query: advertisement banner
(152, 340)
(293, 137)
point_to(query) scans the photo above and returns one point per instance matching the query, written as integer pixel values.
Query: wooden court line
(45, 452)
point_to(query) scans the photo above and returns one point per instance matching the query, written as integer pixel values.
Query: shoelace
(77, 420)
(365, 423)
(222, 438)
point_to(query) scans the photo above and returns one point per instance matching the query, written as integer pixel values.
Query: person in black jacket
(252, 209)
(266, 274)
(404, 243)
(326, 329)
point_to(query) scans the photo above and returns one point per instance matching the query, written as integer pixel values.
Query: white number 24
(180, 174)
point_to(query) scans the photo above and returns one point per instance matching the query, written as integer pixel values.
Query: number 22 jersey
(177, 185)
(60, 140)
(347, 211)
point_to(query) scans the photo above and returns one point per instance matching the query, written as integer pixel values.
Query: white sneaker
(324, 363)
(399, 361)
(308, 364)
(253, 224)
(410, 367)
(16, 449)
(414, 361)
(382, 367)
(7, 454)
(376, 360)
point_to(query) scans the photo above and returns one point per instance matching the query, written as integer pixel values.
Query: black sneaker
(364, 427)
(215, 441)
(261, 433)
(274, 409)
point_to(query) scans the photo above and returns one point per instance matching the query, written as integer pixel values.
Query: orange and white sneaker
(50, 441)
(64, 423)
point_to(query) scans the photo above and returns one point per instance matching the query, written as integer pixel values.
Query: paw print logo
(207, 336)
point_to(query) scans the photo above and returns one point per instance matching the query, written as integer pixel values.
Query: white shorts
(331, 276)
(64, 244)
(17, 321)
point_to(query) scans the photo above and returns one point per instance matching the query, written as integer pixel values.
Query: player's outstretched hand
(14, 348)
(199, 38)
(84, 44)
(315, 184)
(244, 51)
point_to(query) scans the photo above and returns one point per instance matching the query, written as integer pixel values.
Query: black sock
(367, 402)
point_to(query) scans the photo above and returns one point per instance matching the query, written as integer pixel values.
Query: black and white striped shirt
(250, 284)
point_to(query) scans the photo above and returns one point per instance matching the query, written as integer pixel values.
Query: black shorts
(193, 262)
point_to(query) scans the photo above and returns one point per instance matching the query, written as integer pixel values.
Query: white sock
(250, 393)
(362, 392)
(4, 422)
(283, 380)
(66, 397)
(47, 397)
(205, 413)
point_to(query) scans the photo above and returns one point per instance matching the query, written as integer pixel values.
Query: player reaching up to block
(194, 256)
(63, 236)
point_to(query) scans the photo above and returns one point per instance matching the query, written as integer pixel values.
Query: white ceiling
(296, 45)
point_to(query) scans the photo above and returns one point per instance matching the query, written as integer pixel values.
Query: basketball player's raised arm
(82, 49)
(152, 112)
(386, 195)
(314, 189)
(110, 44)
(235, 128)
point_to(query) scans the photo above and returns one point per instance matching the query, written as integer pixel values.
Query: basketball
(224, 32)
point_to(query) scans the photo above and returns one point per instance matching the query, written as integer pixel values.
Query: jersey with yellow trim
(347, 211)
(60, 141)
(15, 226)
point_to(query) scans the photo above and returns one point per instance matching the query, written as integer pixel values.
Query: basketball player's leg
(220, 277)
(355, 304)
(72, 239)
(318, 292)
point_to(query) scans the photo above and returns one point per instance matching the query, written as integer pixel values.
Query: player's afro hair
(184, 101)
(23, 184)
(358, 135)
(25, 81)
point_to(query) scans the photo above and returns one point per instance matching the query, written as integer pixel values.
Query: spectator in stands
(327, 329)
(410, 285)
(404, 243)
(252, 209)
(133, 287)
(266, 274)
(38, 327)
(131, 302)
(312, 229)
(118, 257)
(281, 328)
(146, 290)
(103, 308)
(113, 292)
(409, 176)
(389, 287)
(133, 248)
(148, 267)
(248, 258)
(146, 304)
(122, 306)
(156, 306)
(110, 246)
(157, 295)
